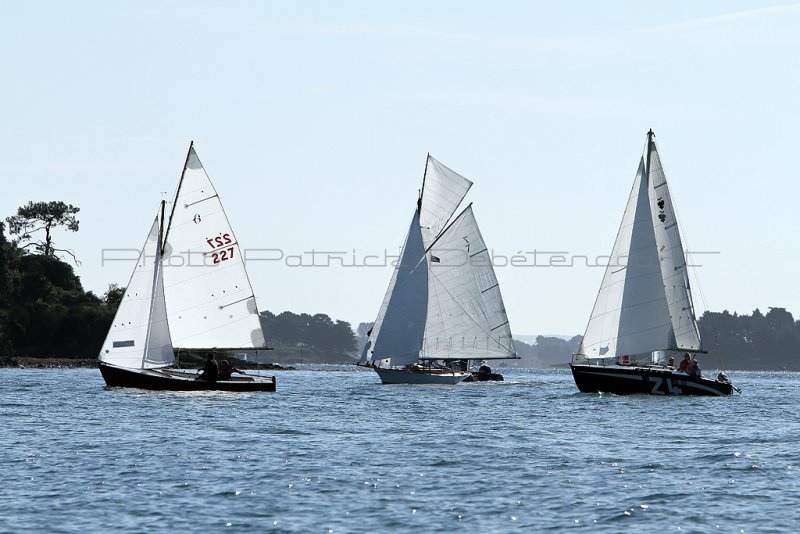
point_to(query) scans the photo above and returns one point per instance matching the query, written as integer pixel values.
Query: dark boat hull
(477, 376)
(624, 380)
(169, 380)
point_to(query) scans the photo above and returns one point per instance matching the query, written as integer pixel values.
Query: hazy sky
(313, 120)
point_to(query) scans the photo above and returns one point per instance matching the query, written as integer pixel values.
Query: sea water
(334, 451)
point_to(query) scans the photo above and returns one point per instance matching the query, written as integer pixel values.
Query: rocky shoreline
(26, 362)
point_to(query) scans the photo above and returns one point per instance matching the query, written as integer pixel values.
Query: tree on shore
(43, 217)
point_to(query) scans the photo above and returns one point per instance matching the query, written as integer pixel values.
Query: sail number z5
(667, 389)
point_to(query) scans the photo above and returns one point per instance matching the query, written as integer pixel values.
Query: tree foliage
(316, 333)
(758, 341)
(43, 217)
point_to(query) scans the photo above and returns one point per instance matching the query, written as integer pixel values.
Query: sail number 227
(220, 241)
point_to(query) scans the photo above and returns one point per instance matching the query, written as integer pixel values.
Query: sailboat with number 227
(189, 292)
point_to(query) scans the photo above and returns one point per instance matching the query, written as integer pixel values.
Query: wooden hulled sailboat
(644, 313)
(443, 306)
(190, 292)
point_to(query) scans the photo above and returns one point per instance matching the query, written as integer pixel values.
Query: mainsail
(210, 302)
(673, 259)
(443, 301)
(139, 336)
(644, 303)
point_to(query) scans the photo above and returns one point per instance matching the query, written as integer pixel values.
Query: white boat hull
(402, 376)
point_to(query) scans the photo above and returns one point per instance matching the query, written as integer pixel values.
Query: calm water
(333, 451)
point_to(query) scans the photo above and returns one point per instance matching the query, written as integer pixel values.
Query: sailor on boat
(211, 370)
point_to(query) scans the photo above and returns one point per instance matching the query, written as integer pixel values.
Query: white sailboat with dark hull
(188, 292)
(644, 314)
(443, 306)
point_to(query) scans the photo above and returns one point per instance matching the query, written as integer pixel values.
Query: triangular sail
(396, 336)
(139, 336)
(466, 317)
(442, 191)
(210, 303)
(630, 315)
(673, 259)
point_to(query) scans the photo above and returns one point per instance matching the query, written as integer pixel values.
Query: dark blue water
(333, 451)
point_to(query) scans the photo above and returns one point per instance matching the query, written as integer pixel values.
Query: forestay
(210, 302)
(139, 336)
(466, 316)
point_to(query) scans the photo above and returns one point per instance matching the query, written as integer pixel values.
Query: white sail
(442, 191)
(396, 336)
(139, 335)
(673, 259)
(210, 302)
(466, 317)
(631, 315)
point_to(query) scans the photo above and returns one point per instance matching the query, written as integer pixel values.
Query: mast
(161, 229)
(422, 191)
(650, 135)
(177, 191)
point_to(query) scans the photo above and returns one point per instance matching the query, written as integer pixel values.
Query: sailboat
(643, 317)
(189, 292)
(443, 307)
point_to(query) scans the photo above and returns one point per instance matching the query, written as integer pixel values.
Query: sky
(313, 120)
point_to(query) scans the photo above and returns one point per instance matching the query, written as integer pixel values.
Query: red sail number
(223, 255)
(219, 241)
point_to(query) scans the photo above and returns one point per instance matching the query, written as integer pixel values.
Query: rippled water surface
(334, 451)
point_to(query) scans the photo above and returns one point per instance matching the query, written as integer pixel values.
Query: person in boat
(226, 370)
(671, 362)
(211, 370)
(686, 363)
(695, 369)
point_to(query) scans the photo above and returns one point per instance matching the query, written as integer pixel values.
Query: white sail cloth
(139, 336)
(466, 316)
(210, 302)
(443, 189)
(396, 336)
(443, 301)
(644, 303)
